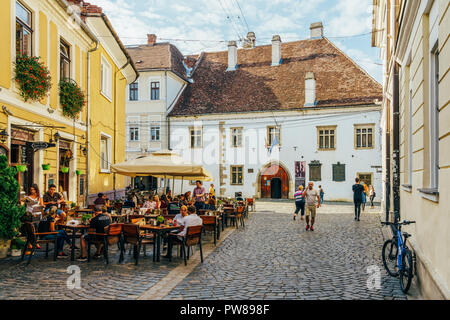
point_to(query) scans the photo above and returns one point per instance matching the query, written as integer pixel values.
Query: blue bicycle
(397, 257)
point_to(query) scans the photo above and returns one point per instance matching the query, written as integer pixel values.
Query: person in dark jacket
(358, 190)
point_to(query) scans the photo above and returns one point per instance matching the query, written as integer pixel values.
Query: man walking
(358, 191)
(312, 197)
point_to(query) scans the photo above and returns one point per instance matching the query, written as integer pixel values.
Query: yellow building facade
(414, 41)
(66, 38)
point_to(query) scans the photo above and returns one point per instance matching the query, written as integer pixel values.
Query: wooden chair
(210, 224)
(251, 203)
(240, 211)
(193, 237)
(33, 239)
(133, 236)
(112, 235)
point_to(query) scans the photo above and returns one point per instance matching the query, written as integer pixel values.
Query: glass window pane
(327, 142)
(321, 142)
(364, 143)
(331, 141)
(23, 14)
(358, 141)
(369, 140)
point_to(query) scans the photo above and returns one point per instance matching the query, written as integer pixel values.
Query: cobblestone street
(272, 258)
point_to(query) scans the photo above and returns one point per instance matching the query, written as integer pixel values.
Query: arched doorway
(274, 182)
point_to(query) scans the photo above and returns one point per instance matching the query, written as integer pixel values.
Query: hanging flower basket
(46, 167)
(33, 78)
(64, 169)
(78, 172)
(21, 168)
(71, 97)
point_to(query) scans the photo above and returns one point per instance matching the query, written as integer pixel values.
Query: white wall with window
(298, 136)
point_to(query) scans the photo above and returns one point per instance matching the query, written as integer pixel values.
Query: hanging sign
(39, 145)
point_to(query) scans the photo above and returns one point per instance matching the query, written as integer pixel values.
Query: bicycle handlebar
(404, 222)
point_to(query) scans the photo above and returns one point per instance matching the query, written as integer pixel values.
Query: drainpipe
(88, 119)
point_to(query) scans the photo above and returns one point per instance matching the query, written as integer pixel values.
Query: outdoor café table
(82, 228)
(158, 231)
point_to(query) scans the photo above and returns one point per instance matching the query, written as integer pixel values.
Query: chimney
(151, 39)
(310, 90)
(232, 56)
(316, 30)
(250, 40)
(276, 50)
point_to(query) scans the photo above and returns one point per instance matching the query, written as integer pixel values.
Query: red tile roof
(159, 56)
(257, 86)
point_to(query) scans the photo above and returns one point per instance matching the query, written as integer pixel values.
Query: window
(106, 78)
(196, 137)
(366, 178)
(104, 153)
(315, 171)
(154, 90)
(237, 175)
(134, 91)
(134, 134)
(338, 172)
(24, 30)
(64, 61)
(236, 137)
(326, 137)
(273, 135)
(364, 136)
(155, 131)
(434, 119)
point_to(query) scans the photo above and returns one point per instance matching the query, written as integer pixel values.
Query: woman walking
(364, 196)
(299, 202)
(371, 195)
(321, 194)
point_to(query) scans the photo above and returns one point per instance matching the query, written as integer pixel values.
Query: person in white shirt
(191, 220)
(179, 218)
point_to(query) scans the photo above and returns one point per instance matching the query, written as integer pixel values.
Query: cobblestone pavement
(275, 258)
(46, 279)
(272, 258)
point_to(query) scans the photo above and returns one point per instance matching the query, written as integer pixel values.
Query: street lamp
(57, 136)
(3, 136)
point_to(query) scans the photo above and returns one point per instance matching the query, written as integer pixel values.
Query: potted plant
(21, 168)
(46, 167)
(64, 169)
(159, 220)
(33, 77)
(71, 97)
(78, 172)
(17, 245)
(10, 211)
(85, 218)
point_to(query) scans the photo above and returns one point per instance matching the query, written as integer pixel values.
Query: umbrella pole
(165, 184)
(173, 185)
(182, 184)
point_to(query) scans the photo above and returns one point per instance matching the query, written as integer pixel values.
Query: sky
(207, 25)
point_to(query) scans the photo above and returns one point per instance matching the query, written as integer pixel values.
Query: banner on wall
(300, 173)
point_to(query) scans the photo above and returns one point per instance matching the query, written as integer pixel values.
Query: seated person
(189, 221)
(98, 222)
(179, 218)
(101, 200)
(147, 204)
(164, 202)
(129, 203)
(51, 199)
(182, 201)
(47, 224)
(211, 202)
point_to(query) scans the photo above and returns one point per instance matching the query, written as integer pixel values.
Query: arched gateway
(274, 182)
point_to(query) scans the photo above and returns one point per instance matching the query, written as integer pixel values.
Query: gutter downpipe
(88, 120)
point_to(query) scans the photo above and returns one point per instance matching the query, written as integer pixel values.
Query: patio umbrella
(160, 164)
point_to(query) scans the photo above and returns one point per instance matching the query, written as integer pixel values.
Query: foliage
(33, 77)
(10, 211)
(71, 97)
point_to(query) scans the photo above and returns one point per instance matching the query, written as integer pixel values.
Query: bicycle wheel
(406, 273)
(389, 255)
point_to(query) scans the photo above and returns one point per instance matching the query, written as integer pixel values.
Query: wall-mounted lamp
(84, 150)
(3, 136)
(57, 136)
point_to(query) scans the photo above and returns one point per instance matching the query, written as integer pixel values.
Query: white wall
(298, 131)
